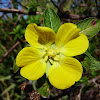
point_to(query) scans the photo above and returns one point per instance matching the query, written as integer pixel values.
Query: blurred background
(15, 15)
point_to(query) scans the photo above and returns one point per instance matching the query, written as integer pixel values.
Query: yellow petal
(66, 32)
(38, 36)
(27, 56)
(76, 46)
(63, 74)
(34, 71)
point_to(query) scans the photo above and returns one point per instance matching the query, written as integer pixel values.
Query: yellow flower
(52, 54)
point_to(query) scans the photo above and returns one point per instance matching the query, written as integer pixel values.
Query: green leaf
(32, 7)
(84, 80)
(89, 26)
(44, 89)
(95, 65)
(15, 67)
(51, 19)
(86, 63)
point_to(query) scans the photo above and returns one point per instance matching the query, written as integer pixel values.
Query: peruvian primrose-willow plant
(52, 54)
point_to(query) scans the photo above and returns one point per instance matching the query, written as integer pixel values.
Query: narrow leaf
(8, 89)
(3, 78)
(89, 26)
(51, 19)
(15, 67)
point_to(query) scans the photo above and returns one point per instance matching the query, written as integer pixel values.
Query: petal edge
(38, 36)
(27, 56)
(76, 46)
(34, 71)
(64, 74)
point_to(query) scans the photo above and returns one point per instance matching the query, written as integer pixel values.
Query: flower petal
(76, 46)
(34, 71)
(38, 36)
(63, 74)
(66, 32)
(27, 56)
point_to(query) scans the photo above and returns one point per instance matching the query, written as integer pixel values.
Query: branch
(97, 5)
(9, 51)
(91, 81)
(22, 5)
(15, 23)
(2, 15)
(13, 11)
(61, 15)
(74, 16)
(55, 5)
(66, 14)
(17, 11)
(11, 4)
(61, 6)
(72, 89)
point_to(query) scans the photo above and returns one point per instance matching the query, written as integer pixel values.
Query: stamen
(46, 58)
(51, 61)
(57, 57)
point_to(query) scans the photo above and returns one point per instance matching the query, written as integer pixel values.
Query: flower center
(51, 53)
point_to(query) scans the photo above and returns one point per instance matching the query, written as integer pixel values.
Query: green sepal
(48, 67)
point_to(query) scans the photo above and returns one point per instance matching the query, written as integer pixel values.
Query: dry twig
(70, 16)
(5, 10)
(11, 4)
(73, 89)
(9, 51)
